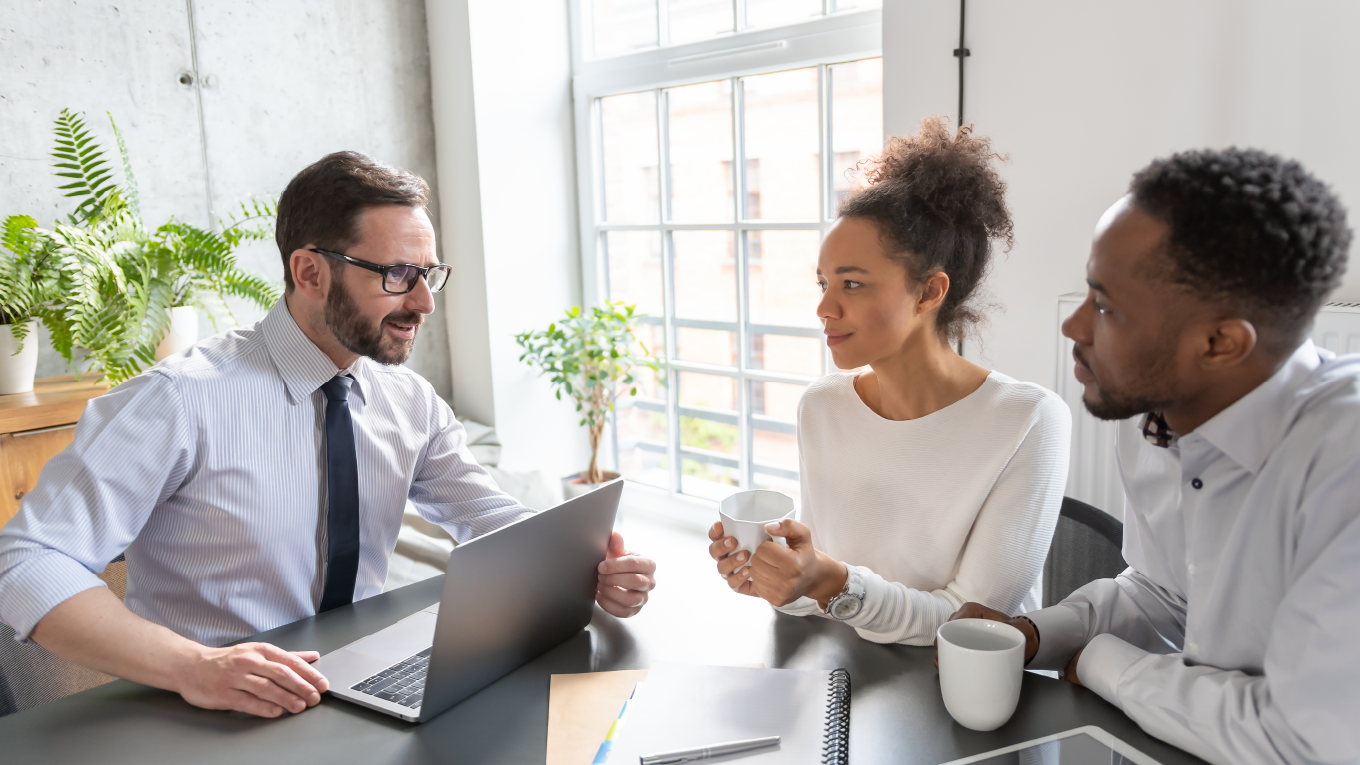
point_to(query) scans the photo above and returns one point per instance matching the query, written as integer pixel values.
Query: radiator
(1092, 475)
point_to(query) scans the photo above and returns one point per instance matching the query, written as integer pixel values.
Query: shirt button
(1198, 484)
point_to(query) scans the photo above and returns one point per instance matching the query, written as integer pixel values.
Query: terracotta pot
(183, 332)
(573, 486)
(17, 370)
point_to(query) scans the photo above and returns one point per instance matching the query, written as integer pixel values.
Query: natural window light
(711, 199)
(619, 27)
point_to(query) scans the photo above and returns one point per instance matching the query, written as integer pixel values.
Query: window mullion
(746, 478)
(739, 14)
(663, 174)
(826, 170)
(663, 22)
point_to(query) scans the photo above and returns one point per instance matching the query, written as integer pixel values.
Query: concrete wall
(282, 84)
(501, 79)
(1082, 94)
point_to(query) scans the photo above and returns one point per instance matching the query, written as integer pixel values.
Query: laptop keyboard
(402, 683)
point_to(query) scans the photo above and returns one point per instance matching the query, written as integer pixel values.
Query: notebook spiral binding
(836, 735)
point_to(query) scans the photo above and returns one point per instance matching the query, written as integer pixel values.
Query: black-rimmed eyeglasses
(399, 278)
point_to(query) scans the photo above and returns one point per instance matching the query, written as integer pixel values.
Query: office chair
(30, 676)
(1087, 545)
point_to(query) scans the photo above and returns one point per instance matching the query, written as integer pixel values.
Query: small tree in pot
(590, 356)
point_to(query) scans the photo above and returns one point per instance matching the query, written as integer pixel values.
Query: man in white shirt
(1235, 632)
(261, 477)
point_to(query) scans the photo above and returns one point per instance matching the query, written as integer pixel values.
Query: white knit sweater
(956, 506)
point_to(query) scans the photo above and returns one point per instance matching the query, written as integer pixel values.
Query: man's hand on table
(979, 611)
(625, 579)
(255, 678)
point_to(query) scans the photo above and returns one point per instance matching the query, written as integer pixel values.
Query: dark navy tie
(342, 492)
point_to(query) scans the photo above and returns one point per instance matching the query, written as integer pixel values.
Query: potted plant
(590, 357)
(26, 283)
(113, 281)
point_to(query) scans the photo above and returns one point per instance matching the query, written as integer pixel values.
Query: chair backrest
(30, 676)
(1087, 545)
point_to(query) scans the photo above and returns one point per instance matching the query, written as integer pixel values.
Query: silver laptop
(508, 596)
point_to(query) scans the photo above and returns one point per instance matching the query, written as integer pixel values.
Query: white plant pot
(16, 371)
(573, 486)
(183, 332)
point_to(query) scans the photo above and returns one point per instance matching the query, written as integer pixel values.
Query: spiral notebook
(688, 706)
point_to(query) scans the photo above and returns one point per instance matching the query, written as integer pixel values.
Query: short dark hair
(938, 203)
(322, 204)
(1250, 230)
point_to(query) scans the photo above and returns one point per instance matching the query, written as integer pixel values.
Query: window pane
(634, 259)
(856, 120)
(705, 275)
(778, 400)
(713, 475)
(772, 13)
(642, 446)
(652, 337)
(709, 392)
(782, 353)
(631, 190)
(776, 462)
(621, 26)
(707, 346)
(699, 19)
(699, 119)
(847, 5)
(783, 277)
(781, 145)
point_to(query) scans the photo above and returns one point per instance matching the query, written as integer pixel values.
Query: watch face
(845, 608)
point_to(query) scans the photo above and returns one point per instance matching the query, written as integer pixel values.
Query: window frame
(821, 42)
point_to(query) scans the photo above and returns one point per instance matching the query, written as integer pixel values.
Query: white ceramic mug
(981, 665)
(745, 514)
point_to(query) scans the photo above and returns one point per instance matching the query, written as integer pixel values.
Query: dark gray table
(897, 714)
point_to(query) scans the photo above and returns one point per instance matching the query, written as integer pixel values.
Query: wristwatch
(848, 603)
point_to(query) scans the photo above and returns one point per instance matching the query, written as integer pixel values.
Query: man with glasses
(261, 476)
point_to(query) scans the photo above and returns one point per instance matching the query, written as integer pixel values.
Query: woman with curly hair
(927, 481)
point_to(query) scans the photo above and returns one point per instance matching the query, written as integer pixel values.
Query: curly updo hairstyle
(1252, 231)
(938, 202)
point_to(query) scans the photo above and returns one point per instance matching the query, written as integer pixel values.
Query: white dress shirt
(1235, 632)
(208, 471)
(955, 506)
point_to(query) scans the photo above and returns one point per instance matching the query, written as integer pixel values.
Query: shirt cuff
(801, 607)
(1061, 633)
(1103, 662)
(32, 588)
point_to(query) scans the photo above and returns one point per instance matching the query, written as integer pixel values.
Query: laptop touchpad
(405, 638)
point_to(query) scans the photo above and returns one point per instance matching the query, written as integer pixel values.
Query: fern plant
(103, 282)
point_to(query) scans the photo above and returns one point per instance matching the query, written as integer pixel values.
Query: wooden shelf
(53, 401)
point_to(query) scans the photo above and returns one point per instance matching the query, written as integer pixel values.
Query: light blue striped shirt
(208, 471)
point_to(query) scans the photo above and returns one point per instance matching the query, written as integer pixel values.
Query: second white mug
(982, 664)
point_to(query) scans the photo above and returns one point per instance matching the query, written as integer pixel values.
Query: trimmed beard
(1151, 395)
(349, 326)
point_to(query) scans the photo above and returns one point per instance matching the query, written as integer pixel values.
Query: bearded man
(1233, 634)
(261, 476)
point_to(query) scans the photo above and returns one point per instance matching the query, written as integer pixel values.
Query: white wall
(284, 84)
(501, 80)
(1081, 94)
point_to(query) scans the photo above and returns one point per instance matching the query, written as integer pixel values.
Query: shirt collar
(302, 365)
(1250, 428)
